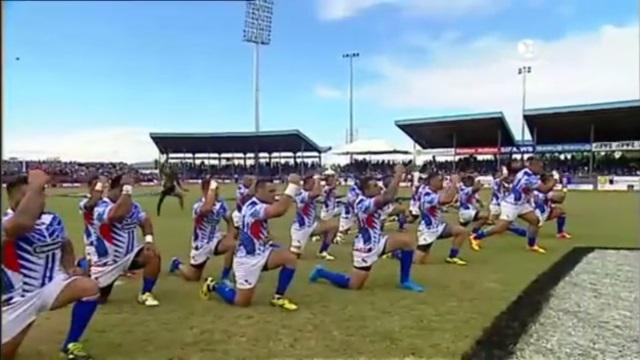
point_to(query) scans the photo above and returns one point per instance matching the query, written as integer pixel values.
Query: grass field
(378, 322)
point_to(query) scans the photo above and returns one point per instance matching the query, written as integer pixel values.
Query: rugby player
(207, 238)
(347, 214)
(548, 207)
(468, 212)
(517, 204)
(96, 187)
(117, 250)
(371, 243)
(244, 192)
(255, 251)
(38, 270)
(432, 227)
(305, 224)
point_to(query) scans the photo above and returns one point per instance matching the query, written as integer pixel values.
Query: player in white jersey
(548, 207)
(371, 243)
(255, 251)
(38, 270)
(518, 204)
(116, 219)
(244, 192)
(432, 226)
(416, 195)
(330, 207)
(347, 215)
(207, 238)
(499, 186)
(305, 225)
(468, 209)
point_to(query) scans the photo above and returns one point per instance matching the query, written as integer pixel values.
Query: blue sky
(113, 71)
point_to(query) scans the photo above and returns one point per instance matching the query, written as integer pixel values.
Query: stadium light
(523, 71)
(350, 56)
(257, 30)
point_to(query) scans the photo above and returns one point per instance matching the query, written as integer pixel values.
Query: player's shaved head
(16, 189)
(265, 190)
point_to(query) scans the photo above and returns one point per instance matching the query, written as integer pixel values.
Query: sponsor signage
(477, 151)
(617, 146)
(560, 148)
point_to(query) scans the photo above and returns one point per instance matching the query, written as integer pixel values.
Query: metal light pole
(351, 56)
(257, 30)
(523, 71)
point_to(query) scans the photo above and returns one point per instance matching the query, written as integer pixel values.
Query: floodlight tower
(527, 51)
(351, 56)
(257, 30)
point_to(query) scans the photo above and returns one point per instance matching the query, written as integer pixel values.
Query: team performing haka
(38, 270)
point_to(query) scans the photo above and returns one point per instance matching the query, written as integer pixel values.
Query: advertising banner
(616, 146)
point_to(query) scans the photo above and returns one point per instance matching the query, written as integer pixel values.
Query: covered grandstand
(270, 147)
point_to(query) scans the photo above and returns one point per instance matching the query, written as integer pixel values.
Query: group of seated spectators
(80, 172)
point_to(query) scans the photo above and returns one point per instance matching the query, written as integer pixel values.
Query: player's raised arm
(546, 185)
(280, 207)
(389, 194)
(211, 187)
(449, 194)
(31, 205)
(120, 188)
(317, 187)
(96, 189)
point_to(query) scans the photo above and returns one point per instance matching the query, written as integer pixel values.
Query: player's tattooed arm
(146, 226)
(29, 209)
(124, 204)
(68, 260)
(389, 194)
(547, 183)
(280, 207)
(449, 194)
(231, 229)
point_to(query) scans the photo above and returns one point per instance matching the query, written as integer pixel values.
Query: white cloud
(99, 144)
(327, 92)
(340, 9)
(601, 65)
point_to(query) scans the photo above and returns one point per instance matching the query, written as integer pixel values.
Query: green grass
(377, 322)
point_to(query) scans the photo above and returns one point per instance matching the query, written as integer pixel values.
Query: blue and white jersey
(329, 201)
(496, 191)
(115, 240)
(522, 188)
(254, 237)
(31, 261)
(305, 210)
(370, 220)
(430, 217)
(352, 195)
(207, 226)
(541, 202)
(241, 196)
(467, 198)
(418, 190)
(89, 234)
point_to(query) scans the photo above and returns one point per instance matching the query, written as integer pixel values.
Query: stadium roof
(471, 130)
(613, 121)
(292, 141)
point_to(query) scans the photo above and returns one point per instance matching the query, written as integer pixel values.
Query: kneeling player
(548, 207)
(432, 227)
(116, 218)
(38, 270)
(371, 243)
(244, 192)
(305, 224)
(255, 251)
(468, 211)
(207, 239)
(347, 214)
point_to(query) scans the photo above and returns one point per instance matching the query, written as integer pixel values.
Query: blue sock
(522, 232)
(481, 234)
(397, 254)
(476, 229)
(560, 221)
(284, 279)
(228, 294)
(325, 245)
(406, 260)
(226, 271)
(453, 253)
(337, 279)
(402, 221)
(148, 284)
(81, 314)
(531, 240)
